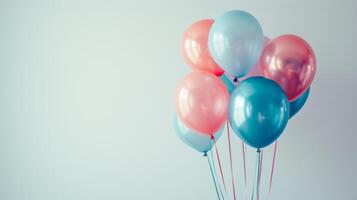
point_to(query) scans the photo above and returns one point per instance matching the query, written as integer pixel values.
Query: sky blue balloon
(200, 142)
(236, 41)
(296, 105)
(258, 111)
(230, 86)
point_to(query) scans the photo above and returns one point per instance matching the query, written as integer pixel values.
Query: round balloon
(258, 111)
(290, 61)
(198, 141)
(201, 102)
(296, 105)
(194, 48)
(228, 82)
(236, 41)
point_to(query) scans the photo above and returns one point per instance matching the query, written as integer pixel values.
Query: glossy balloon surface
(194, 48)
(258, 111)
(200, 142)
(290, 61)
(236, 41)
(201, 102)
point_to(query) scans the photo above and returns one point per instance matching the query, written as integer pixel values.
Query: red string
(272, 167)
(244, 164)
(219, 164)
(230, 158)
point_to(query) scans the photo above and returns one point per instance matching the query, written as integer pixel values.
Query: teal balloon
(235, 42)
(258, 111)
(200, 142)
(296, 105)
(229, 85)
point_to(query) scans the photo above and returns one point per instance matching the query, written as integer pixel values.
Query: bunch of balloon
(242, 79)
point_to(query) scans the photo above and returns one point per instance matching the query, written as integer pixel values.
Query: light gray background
(86, 101)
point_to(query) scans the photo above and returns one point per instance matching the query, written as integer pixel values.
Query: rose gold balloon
(290, 61)
(194, 48)
(201, 102)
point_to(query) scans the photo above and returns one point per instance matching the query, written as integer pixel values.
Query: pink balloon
(201, 102)
(255, 71)
(290, 61)
(194, 48)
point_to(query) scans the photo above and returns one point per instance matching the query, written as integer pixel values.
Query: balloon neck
(235, 79)
(258, 150)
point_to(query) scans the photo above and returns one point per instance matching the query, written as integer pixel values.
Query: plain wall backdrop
(86, 109)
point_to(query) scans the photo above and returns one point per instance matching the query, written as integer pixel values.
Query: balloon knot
(205, 154)
(258, 150)
(235, 79)
(212, 137)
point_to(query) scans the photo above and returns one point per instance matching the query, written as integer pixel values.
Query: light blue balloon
(258, 111)
(229, 85)
(200, 142)
(236, 41)
(296, 105)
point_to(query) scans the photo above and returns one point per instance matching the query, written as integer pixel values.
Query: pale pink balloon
(194, 48)
(255, 71)
(201, 102)
(290, 61)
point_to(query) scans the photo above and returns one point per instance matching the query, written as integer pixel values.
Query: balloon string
(230, 159)
(260, 174)
(244, 164)
(213, 177)
(219, 164)
(256, 181)
(215, 174)
(272, 167)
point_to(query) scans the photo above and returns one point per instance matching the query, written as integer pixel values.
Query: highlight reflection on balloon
(201, 102)
(290, 61)
(194, 48)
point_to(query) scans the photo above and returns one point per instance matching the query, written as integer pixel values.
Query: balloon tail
(255, 193)
(213, 177)
(272, 167)
(219, 164)
(215, 174)
(230, 159)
